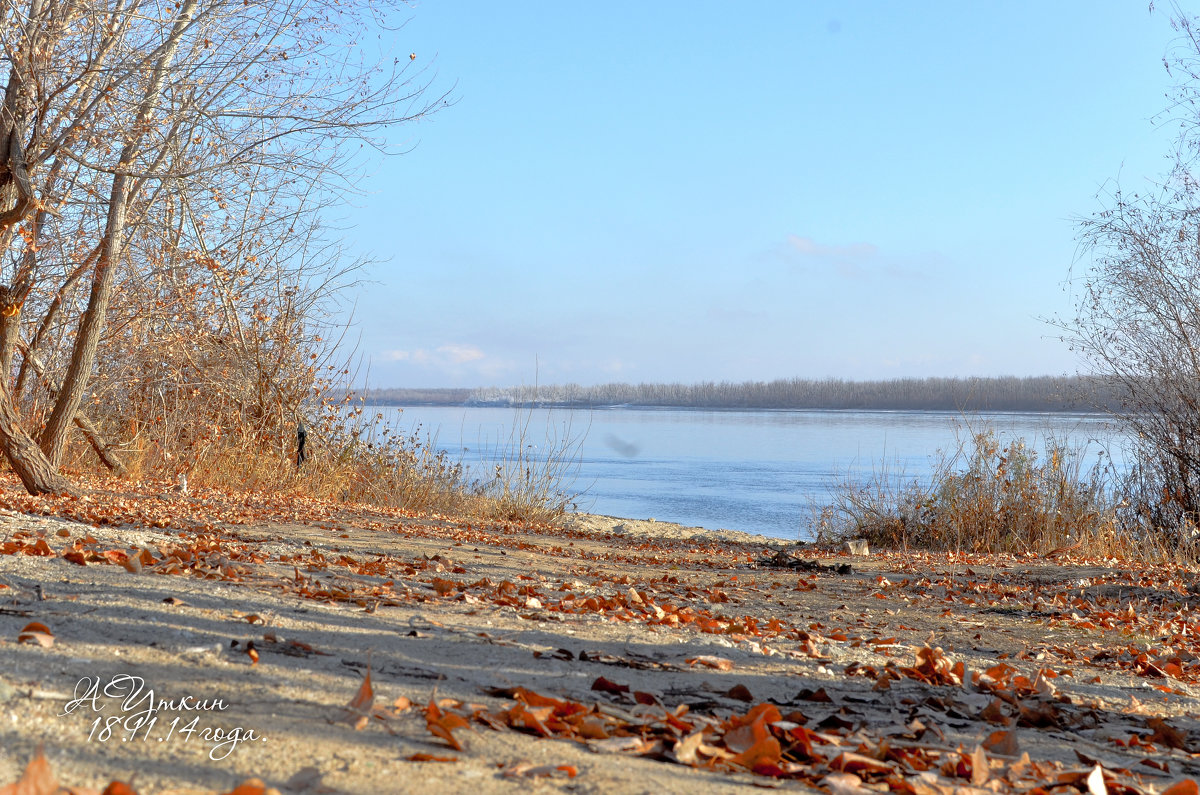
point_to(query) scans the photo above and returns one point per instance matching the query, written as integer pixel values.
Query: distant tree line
(418, 397)
(1006, 393)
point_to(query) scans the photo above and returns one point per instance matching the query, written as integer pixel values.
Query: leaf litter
(911, 673)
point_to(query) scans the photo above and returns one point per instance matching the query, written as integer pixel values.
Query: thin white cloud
(852, 261)
(401, 356)
(811, 248)
(447, 355)
(460, 354)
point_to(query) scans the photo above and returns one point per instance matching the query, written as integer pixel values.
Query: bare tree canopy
(164, 167)
(1137, 324)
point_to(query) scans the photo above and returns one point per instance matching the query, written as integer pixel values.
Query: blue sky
(686, 191)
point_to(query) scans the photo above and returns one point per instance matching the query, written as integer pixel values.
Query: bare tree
(1137, 323)
(1137, 326)
(128, 128)
(223, 356)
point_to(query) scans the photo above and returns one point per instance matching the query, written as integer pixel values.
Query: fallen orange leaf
(365, 696)
(35, 632)
(36, 780)
(848, 762)
(430, 758)
(251, 786)
(442, 724)
(710, 661)
(528, 770)
(1003, 743)
(765, 751)
(608, 686)
(1187, 786)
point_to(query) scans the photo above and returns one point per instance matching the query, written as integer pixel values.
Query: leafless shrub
(1137, 322)
(989, 496)
(532, 477)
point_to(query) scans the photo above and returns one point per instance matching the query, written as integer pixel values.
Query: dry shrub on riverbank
(991, 497)
(211, 383)
(195, 389)
(533, 482)
(354, 455)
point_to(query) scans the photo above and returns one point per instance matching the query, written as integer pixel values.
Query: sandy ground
(651, 529)
(422, 603)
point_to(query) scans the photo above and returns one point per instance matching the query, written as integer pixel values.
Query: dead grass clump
(989, 496)
(354, 456)
(1161, 513)
(533, 482)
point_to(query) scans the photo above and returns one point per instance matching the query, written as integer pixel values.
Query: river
(757, 471)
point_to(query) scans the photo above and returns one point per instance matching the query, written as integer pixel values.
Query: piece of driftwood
(786, 560)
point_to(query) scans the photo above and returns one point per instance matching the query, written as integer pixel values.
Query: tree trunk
(47, 321)
(83, 355)
(103, 449)
(36, 472)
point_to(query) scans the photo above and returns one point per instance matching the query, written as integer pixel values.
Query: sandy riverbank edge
(667, 531)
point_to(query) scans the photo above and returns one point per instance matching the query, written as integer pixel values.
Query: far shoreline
(656, 407)
(992, 394)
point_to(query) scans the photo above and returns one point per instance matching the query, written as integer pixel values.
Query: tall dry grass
(208, 375)
(991, 496)
(532, 477)
(526, 477)
(356, 455)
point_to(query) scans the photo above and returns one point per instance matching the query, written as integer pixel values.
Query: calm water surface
(757, 471)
